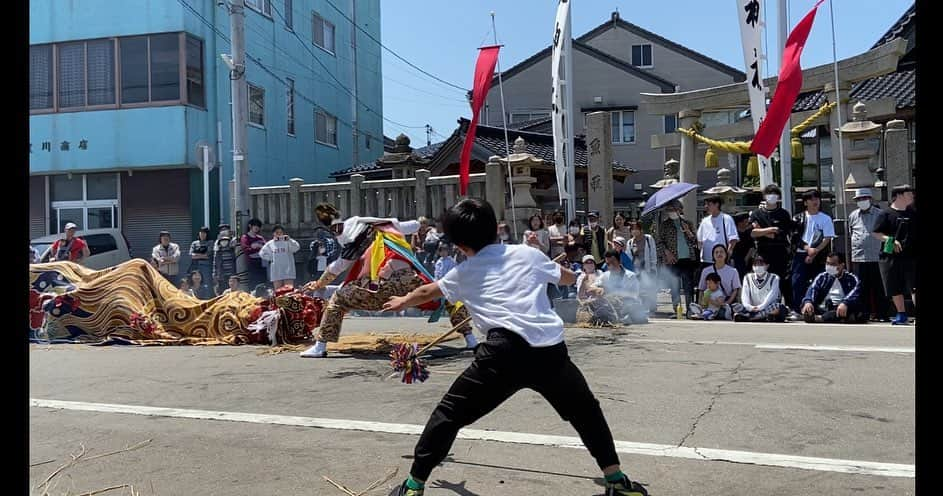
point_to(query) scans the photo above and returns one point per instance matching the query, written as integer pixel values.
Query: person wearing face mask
(759, 296)
(224, 259)
(897, 230)
(573, 234)
(678, 252)
(772, 225)
(866, 255)
(594, 238)
(504, 234)
(252, 242)
(835, 295)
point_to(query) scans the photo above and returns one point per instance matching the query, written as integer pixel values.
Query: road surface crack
(734, 375)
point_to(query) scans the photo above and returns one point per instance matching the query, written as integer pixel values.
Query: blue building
(123, 93)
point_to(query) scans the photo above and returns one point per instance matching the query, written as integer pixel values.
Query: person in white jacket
(760, 296)
(280, 254)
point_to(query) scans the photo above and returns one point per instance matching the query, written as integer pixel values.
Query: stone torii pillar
(688, 172)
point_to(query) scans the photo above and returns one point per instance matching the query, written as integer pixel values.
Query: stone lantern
(727, 190)
(521, 163)
(671, 174)
(862, 141)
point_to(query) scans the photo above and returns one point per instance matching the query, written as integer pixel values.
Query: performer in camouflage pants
(381, 266)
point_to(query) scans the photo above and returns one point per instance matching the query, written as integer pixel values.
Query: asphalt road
(696, 408)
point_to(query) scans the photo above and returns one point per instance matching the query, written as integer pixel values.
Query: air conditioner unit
(597, 99)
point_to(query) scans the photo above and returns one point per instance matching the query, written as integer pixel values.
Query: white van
(107, 247)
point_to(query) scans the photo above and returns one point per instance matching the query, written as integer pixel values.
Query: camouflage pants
(355, 296)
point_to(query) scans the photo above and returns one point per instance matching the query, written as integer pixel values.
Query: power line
(414, 66)
(339, 84)
(258, 62)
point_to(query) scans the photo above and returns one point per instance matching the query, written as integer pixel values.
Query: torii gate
(690, 104)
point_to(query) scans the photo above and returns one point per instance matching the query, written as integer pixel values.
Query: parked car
(107, 247)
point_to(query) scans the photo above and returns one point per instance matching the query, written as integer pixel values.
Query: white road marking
(780, 346)
(625, 447)
(816, 347)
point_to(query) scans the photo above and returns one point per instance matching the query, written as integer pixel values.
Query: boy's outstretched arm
(418, 296)
(567, 277)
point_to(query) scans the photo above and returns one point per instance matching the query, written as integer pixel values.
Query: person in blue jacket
(835, 295)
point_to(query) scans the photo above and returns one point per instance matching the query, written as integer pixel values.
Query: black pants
(802, 276)
(505, 364)
(830, 316)
(683, 280)
(876, 303)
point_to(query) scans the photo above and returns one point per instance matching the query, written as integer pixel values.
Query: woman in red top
(72, 248)
(252, 242)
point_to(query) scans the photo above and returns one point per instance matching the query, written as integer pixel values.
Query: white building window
(642, 55)
(322, 32)
(88, 200)
(325, 128)
(263, 7)
(623, 126)
(256, 105)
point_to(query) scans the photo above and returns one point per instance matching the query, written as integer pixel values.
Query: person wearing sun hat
(71, 248)
(866, 254)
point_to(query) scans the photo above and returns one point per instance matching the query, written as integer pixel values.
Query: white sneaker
(319, 350)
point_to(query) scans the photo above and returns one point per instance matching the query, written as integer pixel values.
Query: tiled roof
(529, 125)
(366, 167)
(902, 24)
(428, 151)
(899, 85)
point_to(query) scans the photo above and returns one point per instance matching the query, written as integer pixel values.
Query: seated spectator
(713, 305)
(760, 296)
(625, 260)
(618, 288)
(834, 295)
(729, 280)
(233, 285)
(445, 262)
(199, 287)
(585, 296)
(185, 286)
(504, 234)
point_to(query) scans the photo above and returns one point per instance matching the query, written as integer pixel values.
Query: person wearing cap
(200, 251)
(897, 230)
(72, 248)
(594, 238)
(166, 256)
(224, 259)
(811, 242)
(324, 249)
(619, 244)
(620, 290)
(866, 254)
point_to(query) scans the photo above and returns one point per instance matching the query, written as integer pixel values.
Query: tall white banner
(751, 27)
(562, 96)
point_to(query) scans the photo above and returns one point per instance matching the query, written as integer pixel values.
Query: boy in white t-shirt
(504, 289)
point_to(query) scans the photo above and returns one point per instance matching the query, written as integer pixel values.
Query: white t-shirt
(505, 286)
(715, 231)
(836, 293)
(818, 222)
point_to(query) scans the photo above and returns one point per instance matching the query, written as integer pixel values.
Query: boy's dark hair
(234, 277)
(471, 223)
(254, 222)
(772, 189)
(812, 193)
(716, 200)
(204, 229)
(277, 227)
(901, 189)
(614, 254)
(570, 249)
(840, 256)
(759, 258)
(713, 276)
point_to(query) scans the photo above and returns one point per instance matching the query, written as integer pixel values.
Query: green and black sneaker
(625, 487)
(404, 490)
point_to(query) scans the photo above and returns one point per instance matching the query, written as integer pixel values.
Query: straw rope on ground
(371, 343)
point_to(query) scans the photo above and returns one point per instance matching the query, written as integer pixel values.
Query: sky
(442, 36)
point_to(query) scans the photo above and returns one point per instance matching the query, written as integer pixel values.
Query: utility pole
(785, 143)
(428, 135)
(240, 112)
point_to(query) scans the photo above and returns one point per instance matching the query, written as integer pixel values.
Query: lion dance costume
(381, 265)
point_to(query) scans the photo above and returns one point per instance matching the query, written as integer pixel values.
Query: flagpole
(785, 144)
(840, 185)
(507, 144)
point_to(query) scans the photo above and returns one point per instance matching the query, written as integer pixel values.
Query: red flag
(484, 71)
(787, 89)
